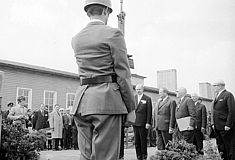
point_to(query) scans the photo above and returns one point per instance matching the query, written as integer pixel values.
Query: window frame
(29, 96)
(54, 98)
(67, 99)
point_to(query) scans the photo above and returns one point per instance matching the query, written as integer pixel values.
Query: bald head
(181, 92)
(139, 89)
(195, 97)
(218, 86)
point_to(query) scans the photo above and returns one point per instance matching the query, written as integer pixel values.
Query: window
(27, 93)
(50, 99)
(69, 99)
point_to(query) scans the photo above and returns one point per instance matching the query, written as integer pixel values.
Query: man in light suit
(164, 118)
(201, 122)
(19, 113)
(105, 93)
(223, 120)
(186, 108)
(56, 124)
(143, 122)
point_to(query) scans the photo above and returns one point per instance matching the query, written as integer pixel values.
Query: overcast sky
(196, 37)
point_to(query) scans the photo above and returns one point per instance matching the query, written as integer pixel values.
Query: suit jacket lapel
(162, 103)
(142, 98)
(136, 101)
(198, 106)
(217, 98)
(181, 102)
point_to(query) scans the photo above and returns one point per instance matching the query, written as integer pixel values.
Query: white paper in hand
(183, 123)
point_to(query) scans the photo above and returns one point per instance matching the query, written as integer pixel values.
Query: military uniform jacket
(101, 50)
(164, 114)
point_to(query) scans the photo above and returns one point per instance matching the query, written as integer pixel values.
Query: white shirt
(219, 93)
(181, 99)
(139, 97)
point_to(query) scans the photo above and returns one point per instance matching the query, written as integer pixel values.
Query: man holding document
(185, 115)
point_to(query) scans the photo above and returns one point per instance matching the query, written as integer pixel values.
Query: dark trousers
(198, 140)
(188, 135)
(56, 143)
(70, 137)
(226, 143)
(152, 137)
(140, 133)
(66, 137)
(121, 154)
(74, 137)
(162, 139)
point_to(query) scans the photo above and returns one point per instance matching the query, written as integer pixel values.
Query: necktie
(139, 98)
(178, 106)
(159, 103)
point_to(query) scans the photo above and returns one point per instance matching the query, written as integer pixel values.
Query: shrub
(19, 143)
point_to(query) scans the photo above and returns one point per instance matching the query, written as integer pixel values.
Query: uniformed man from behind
(105, 93)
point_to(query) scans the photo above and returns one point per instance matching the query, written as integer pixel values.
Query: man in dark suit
(223, 120)
(40, 118)
(201, 122)
(164, 118)
(105, 93)
(142, 122)
(186, 108)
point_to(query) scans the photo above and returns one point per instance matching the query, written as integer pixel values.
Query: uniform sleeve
(122, 69)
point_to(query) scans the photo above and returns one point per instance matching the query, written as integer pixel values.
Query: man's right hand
(130, 118)
(171, 130)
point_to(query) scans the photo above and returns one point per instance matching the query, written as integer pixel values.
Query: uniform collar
(96, 20)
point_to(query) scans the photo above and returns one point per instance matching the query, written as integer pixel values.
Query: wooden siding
(38, 82)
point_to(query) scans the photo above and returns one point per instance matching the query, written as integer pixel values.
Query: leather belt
(98, 80)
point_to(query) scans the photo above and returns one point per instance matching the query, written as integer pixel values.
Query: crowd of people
(105, 102)
(153, 125)
(198, 123)
(59, 124)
